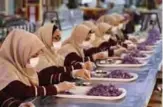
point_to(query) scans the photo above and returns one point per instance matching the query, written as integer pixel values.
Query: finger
(71, 86)
(87, 74)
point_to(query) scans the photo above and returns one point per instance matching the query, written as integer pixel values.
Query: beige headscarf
(90, 24)
(72, 44)
(50, 56)
(101, 29)
(16, 50)
(108, 19)
(118, 17)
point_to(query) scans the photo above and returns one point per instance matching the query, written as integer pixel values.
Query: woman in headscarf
(115, 21)
(51, 37)
(102, 32)
(75, 47)
(19, 81)
(104, 40)
(123, 27)
(111, 20)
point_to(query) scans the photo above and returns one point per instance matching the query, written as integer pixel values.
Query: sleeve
(130, 27)
(124, 45)
(125, 34)
(73, 60)
(8, 101)
(89, 53)
(61, 69)
(21, 91)
(105, 46)
(51, 75)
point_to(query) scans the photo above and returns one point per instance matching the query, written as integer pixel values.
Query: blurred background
(31, 14)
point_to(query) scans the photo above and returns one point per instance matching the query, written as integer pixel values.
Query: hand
(128, 42)
(113, 37)
(118, 52)
(64, 86)
(82, 73)
(100, 55)
(141, 40)
(114, 47)
(29, 104)
(88, 65)
(133, 39)
(131, 46)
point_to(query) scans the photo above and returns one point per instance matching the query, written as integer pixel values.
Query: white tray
(80, 92)
(135, 76)
(143, 58)
(123, 65)
(151, 47)
(158, 42)
(147, 52)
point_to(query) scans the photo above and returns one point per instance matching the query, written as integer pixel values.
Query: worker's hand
(64, 86)
(100, 55)
(82, 74)
(113, 37)
(88, 65)
(128, 42)
(133, 39)
(28, 104)
(131, 46)
(119, 51)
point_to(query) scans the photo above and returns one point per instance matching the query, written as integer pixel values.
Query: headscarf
(101, 29)
(16, 50)
(50, 56)
(108, 19)
(90, 24)
(118, 17)
(72, 44)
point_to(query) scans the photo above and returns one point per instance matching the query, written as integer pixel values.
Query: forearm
(8, 101)
(50, 75)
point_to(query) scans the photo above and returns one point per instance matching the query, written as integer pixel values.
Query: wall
(2, 5)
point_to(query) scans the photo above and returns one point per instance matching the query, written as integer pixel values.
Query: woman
(123, 28)
(116, 22)
(50, 36)
(105, 41)
(111, 20)
(102, 32)
(121, 24)
(18, 54)
(75, 47)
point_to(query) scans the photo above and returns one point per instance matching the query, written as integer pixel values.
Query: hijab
(108, 19)
(101, 29)
(72, 44)
(50, 56)
(16, 50)
(118, 17)
(90, 24)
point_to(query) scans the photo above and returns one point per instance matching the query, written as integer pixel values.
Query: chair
(146, 18)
